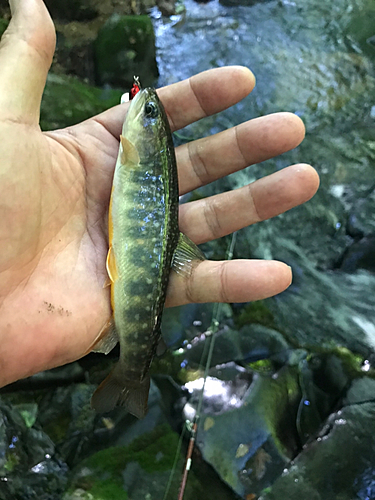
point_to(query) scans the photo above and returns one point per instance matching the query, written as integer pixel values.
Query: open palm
(55, 192)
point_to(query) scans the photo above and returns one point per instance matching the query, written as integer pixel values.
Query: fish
(144, 245)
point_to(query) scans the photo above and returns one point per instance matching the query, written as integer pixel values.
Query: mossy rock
(126, 47)
(67, 101)
(255, 312)
(144, 465)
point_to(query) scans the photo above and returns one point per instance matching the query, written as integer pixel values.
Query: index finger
(190, 100)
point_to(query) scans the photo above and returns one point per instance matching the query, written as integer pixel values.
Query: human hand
(56, 188)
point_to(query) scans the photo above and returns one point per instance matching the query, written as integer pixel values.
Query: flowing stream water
(315, 59)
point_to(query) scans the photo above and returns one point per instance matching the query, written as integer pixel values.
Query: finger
(219, 215)
(205, 160)
(192, 99)
(229, 281)
(26, 51)
(205, 94)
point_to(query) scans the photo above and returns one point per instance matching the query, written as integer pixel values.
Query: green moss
(125, 47)
(154, 451)
(108, 490)
(29, 413)
(262, 366)
(274, 400)
(256, 312)
(67, 101)
(11, 462)
(57, 428)
(352, 363)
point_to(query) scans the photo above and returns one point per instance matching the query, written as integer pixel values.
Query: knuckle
(197, 162)
(212, 219)
(223, 277)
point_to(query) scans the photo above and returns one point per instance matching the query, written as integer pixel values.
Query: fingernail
(291, 277)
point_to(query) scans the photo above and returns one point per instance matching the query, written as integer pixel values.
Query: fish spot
(139, 256)
(133, 312)
(136, 214)
(140, 287)
(136, 231)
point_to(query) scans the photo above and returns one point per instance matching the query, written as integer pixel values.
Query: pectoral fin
(129, 153)
(186, 254)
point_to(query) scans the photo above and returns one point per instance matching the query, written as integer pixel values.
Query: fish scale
(140, 256)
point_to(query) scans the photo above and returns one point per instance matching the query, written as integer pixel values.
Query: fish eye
(151, 109)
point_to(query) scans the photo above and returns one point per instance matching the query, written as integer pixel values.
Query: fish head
(146, 125)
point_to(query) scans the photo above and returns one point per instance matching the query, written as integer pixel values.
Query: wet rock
(74, 54)
(254, 421)
(250, 436)
(321, 307)
(248, 3)
(360, 255)
(360, 29)
(139, 470)
(250, 343)
(126, 47)
(185, 323)
(79, 10)
(337, 464)
(67, 101)
(29, 465)
(167, 7)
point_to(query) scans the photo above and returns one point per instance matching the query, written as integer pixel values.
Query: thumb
(26, 51)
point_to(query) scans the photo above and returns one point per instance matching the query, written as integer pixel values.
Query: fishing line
(188, 426)
(216, 314)
(174, 466)
(210, 340)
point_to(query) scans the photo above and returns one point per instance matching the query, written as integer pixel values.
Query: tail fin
(112, 391)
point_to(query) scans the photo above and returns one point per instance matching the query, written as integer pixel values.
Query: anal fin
(111, 265)
(106, 339)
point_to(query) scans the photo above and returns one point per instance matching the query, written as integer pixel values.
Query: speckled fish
(144, 243)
